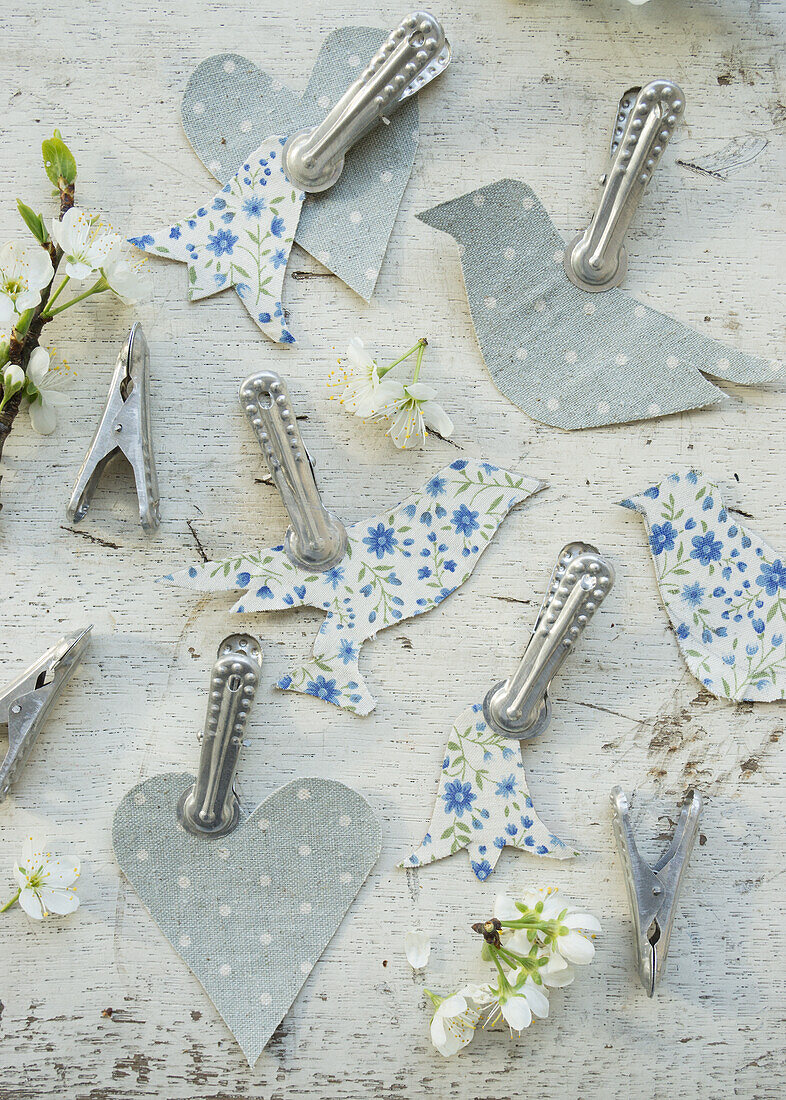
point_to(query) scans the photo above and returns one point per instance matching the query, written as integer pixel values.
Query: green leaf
(58, 161)
(33, 221)
(447, 833)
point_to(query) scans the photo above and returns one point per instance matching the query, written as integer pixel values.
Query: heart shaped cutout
(249, 913)
(229, 107)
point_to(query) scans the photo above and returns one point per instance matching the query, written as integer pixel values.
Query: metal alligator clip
(26, 702)
(316, 540)
(124, 428)
(412, 55)
(520, 707)
(653, 891)
(596, 259)
(211, 807)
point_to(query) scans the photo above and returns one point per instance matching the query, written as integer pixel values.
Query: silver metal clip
(316, 540)
(123, 428)
(26, 702)
(412, 55)
(519, 707)
(211, 807)
(653, 891)
(596, 259)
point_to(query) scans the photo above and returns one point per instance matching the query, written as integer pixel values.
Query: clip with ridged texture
(411, 56)
(210, 807)
(316, 540)
(519, 707)
(596, 259)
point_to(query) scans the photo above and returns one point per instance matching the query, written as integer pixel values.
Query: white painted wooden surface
(530, 94)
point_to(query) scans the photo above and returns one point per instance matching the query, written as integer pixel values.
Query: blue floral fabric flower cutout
(395, 567)
(481, 803)
(241, 238)
(724, 588)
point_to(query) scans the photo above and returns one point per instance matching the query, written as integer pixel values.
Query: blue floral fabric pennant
(568, 358)
(241, 238)
(723, 586)
(397, 564)
(483, 804)
(230, 105)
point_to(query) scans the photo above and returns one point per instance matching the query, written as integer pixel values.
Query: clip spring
(412, 55)
(316, 540)
(596, 259)
(520, 707)
(210, 807)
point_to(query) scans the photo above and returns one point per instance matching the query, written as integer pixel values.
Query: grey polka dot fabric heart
(251, 912)
(230, 106)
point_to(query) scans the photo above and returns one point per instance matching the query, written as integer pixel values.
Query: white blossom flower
(125, 279)
(417, 947)
(575, 946)
(412, 410)
(43, 405)
(46, 885)
(13, 379)
(86, 243)
(515, 1000)
(363, 392)
(25, 269)
(453, 1023)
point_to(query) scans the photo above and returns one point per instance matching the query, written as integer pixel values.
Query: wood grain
(97, 1007)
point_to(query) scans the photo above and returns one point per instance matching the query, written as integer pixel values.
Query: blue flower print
(706, 548)
(334, 576)
(465, 520)
(423, 572)
(175, 232)
(662, 537)
(264, 593)
(772, 577)
(279, 258)
(693, 594)
(482, 868)
(284, 682)
(500, 842)
(254, 206)
(381, 540)
(758, 625)
(243, 580)
(347, 651)
(265, 318)
(683, 631)
(458, 797)
(222, 242)
(144, 241)
(506, 788)
(436, 486)
(277, 227)
(323, 689)
(459, 464)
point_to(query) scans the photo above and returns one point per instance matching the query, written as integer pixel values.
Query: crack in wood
(92, 538)
(200, 547)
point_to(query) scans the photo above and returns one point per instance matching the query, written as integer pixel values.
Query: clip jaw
(26, 702)
(519, 707)
(653, 891)
(124, 427)
(596, 259)
(316, 540)
(211, 807)
(412, 55)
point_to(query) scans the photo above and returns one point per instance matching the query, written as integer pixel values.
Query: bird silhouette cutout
(723, 586)
(483, 804)
(397, 564)
(230, 106)
(566, 357)
(240, 238)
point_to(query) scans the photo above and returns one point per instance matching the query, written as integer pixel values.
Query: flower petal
(42, 417)
(505, 908)
(417, 947)
(59, 901)
(31, 904)
(437, 419)
(576, 948)
(38, 365)
(517, 1013)
(583, 922)
(537, 999)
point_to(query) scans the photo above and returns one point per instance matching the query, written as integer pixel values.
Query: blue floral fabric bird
(398, 564)
(483, 803)
(241, 238)
(723, 586)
